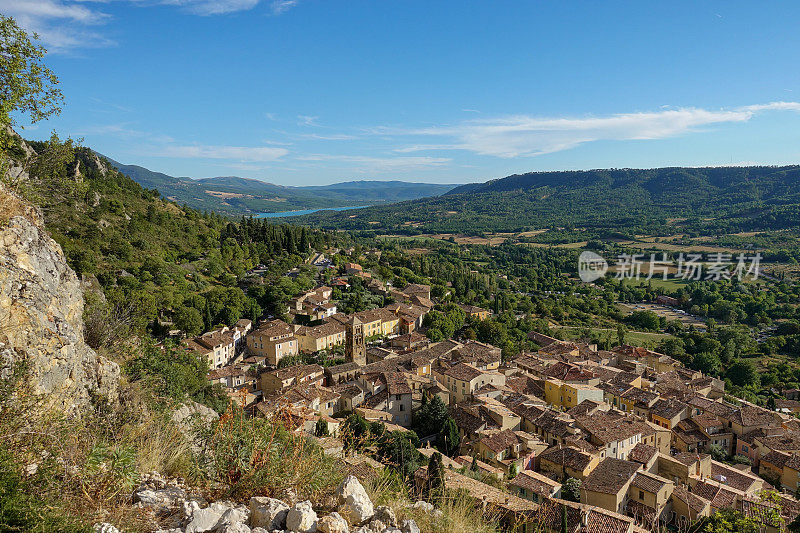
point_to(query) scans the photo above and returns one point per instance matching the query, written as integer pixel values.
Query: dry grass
(458, 512)
(86, 467)
(10, 206)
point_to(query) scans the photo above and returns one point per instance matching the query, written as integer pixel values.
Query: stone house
(607, 486)
(567, 463)
(273, 340)
(281, 379)
(534, 486)
(463, 379)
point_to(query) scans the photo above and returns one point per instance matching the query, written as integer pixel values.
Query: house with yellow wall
(568, 395)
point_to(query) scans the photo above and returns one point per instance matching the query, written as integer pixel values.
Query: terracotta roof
(298, 372)
(733, 477)
(568, 457)
(778, 459)
(642, 453)
(535, 482)
(375, 400)
(688, 458)
(610, 476)
(750, 415)
(788, 442)
(667, 408)
(273, 328)
(602, 521)
(694, 501)
(500, 441)
(649, 482)
(719, 496)
(463, 372)
(327, 329)
(468, 420)
(640, 397)
(226, 371)
(608, 428)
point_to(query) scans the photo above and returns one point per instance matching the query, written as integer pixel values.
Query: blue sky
(318, 91)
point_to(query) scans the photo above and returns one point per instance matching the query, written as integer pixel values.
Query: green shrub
(242, 457)
(176, 373)
(22, 510)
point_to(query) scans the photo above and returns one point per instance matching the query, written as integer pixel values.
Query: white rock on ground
(235, 515)
(104, 527)
(268, 513)
(159, 498)
(409, 526)
(189, 507)
(354, 503)
(423, 506)
(385, 514)
(236, 527)
(333, 523)
(203, 520)
(301, 518)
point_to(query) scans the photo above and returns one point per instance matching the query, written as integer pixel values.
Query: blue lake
(282, 214)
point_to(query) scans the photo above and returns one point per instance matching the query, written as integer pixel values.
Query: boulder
(268, 513)
(236, 527)
(235, 515)
(333, 523)
(376, 525)
(204, 520)
(386, 515)
(354, 503)
(301, 518)
(161, 498)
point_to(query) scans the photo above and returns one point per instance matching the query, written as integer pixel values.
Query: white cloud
(524, 136)
(213, 7)
(282, 6)
(235, 153)
(64, 25)
(330, 137)
(60, 25)
(306, 120)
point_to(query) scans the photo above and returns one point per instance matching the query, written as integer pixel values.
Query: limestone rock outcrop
(41, 318)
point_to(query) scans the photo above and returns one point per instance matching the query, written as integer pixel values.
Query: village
(625, 439)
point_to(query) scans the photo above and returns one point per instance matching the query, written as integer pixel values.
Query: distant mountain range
(599, 202)
(235, 196)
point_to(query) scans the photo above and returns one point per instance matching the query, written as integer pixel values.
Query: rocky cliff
(41, 315)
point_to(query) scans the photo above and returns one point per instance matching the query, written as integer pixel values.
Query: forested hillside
(157, 263)
(607, 203)
(231, 195)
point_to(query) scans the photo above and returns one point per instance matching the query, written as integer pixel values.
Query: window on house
(641, 495)
(402, 407)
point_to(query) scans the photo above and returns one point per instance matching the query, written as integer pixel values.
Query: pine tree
(209, 321)
(435, 476)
